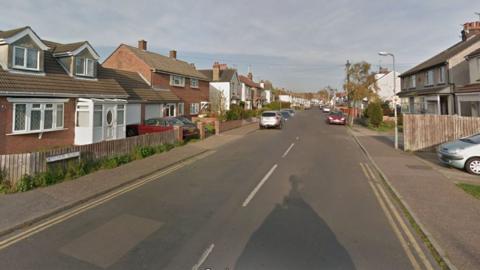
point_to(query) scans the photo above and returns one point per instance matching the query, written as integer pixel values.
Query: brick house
(164, 73)
(54, 94)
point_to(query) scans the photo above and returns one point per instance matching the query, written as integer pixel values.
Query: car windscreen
(475, 139)
(185, 120)
(285, 114)
(269, 114)
(337, 113)
(175, 122)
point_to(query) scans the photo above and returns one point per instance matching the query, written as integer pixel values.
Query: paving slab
(451, 216)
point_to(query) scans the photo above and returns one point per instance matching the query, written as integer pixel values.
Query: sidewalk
(21, 209)
(449, 216)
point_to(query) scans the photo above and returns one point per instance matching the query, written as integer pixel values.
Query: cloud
(297, 44)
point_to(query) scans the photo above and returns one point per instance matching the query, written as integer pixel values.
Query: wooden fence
(423, 132)
(14, 166)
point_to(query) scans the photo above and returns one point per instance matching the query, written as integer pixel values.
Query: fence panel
(14, 166)
(423, 132)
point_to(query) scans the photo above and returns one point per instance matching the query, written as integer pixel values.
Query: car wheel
(473, 166)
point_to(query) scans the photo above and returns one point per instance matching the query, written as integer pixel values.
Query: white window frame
(121, 108)
(196, 84)
(28, 115)
(85, 66)
(194, 108)
(478, 68)
(169, 107)
(25, 53)
(181, 109)
(429, 77)
(181, 79)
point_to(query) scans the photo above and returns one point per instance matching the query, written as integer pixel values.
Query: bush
(25, 184)
(209, 128)
(374, 113)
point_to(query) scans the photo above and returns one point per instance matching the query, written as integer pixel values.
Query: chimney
(173, 54)
(250, 75)
(216, 71)
(142, 44)
(470, 29)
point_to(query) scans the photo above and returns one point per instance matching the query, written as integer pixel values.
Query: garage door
(134, 114)
(153, 111)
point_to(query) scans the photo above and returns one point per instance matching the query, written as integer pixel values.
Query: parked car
(271, 119)
(337, 118)
(189, 128)
(152, 125)
(285, 115)
(462, 154)
(292, 112)
(326, 109)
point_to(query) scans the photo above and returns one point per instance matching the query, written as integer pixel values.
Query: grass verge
(473, 190)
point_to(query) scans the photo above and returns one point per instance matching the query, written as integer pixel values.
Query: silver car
(462, 154)
(271, 119)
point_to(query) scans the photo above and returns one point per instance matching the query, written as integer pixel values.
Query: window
(84, 66)
(478, 68)
(441, 75)
(429, 79)
(120, 114)
(193, 83)
(413, 81)
(177, 80)
(181, 108)
(98, 115)
(31, 117)
(169, 110)
(194, 108)
(25, 58)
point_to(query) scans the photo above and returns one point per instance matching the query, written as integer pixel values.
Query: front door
(109, 122)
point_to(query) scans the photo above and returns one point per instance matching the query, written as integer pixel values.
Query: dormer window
(84, 67)
(26, 58)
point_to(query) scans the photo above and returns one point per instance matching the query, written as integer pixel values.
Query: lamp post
(394, 95)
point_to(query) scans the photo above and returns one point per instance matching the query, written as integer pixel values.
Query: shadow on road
(293, 236)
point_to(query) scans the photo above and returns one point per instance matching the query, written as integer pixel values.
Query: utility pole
(347, 73)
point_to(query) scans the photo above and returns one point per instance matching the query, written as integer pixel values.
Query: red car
(337, 118)
(153, 125)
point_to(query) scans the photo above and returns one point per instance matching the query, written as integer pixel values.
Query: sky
(298, 45)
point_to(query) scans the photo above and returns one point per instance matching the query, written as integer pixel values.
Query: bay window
(98, 115)
(37, 117)
(84, 66)
(26, 58)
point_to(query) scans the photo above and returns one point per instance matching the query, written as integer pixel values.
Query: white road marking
(82, 208)
(288, 150)
(298, 138)
(255, 190)
(394, 226)
(410, 236)
(204, 257)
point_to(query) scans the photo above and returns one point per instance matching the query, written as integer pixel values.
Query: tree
(360, 84)
(375, 113)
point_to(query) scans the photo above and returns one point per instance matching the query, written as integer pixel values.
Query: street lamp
(394, 95)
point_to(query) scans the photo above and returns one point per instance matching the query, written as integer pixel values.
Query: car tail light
(330, 118)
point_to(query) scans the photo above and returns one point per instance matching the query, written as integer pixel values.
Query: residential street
(297, 198)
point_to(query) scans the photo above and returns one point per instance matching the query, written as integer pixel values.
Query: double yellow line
(396, 221)
(84, 207)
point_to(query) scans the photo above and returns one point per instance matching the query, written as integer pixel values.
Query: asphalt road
(276, 199)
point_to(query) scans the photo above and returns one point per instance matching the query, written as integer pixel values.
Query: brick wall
(187, 94)
(10, 144)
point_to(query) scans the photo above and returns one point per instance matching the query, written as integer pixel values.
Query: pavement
(297, 198)
(21, 209)
(446, 213)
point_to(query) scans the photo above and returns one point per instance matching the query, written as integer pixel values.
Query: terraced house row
(58, 94)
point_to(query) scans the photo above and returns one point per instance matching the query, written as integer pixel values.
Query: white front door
(109, 121)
